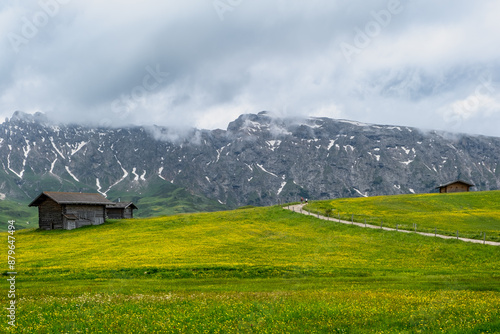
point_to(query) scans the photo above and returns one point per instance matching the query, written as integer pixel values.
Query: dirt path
(298, 208)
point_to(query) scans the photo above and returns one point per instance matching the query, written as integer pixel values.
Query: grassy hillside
(259, 242)
(24, 216)
(252, 271)
(163, 198)
(470, 213)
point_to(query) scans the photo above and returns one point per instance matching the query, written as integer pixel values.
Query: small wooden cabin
(455, 187)
(120, 210)
(60, 210)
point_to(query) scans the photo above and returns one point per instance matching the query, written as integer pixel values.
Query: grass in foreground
(261, 270)
(265, 312)
(471, 213)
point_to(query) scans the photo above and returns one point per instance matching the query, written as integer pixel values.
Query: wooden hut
(455, 187)
(59, 210)
(120, 210)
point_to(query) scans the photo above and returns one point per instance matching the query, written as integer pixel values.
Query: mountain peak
(20, 116)
(262, 159)
(250, 123)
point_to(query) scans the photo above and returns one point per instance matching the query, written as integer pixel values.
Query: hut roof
(121, 205)
(71, 198)
(458, 181)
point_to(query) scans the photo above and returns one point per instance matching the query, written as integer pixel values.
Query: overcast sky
(202, 63)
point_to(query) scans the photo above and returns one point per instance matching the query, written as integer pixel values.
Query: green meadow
(24, 216)
(255, 270)
(472, 214)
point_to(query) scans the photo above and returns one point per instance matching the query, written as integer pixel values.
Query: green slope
(260, 242)
(470, 213)
(163, 198)
(24, 216)
(253, 270)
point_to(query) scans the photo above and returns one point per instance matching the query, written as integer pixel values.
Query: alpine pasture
(255, 270)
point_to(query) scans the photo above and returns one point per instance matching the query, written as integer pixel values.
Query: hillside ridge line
(299, 209)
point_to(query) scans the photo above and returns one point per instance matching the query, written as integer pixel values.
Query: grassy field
(258, 270)
(472, 214)
(163, 198)
(20, 212)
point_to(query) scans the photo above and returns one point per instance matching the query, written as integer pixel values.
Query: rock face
(258, 160)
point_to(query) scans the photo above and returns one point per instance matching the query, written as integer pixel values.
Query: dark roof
(71, 198)
(459, 181)
(121, 205)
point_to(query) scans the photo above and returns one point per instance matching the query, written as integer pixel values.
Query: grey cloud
(276, 55)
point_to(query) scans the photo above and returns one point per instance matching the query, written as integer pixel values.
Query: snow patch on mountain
(78, 147)
(55, 147)
(136, 176)
(71, 174)
(266, 171)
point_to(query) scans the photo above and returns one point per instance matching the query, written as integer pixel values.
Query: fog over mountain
(201, 64)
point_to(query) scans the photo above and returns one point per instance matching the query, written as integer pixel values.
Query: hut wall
(87, 214)
(69, 224)
(128, 213)
(455, 188)
(114, 213)
(50, 215)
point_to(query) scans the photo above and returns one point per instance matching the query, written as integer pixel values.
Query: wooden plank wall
(50, 217)
(87, 214)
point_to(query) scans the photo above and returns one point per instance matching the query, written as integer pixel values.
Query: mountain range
(259, 159)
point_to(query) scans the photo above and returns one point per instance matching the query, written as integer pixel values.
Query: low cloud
(414, 68)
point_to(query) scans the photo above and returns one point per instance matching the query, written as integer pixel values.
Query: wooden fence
(376, 222)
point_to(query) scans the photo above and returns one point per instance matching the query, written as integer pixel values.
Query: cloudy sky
(422, 63)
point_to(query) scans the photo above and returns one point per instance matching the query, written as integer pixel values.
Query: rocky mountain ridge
(258, 160)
